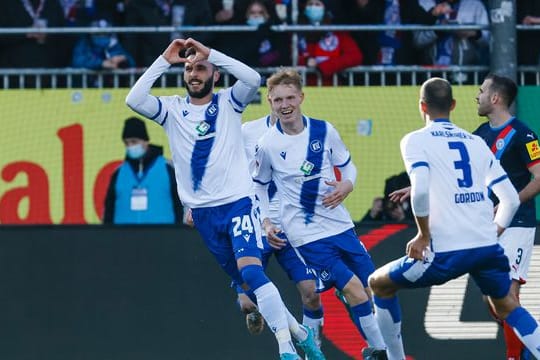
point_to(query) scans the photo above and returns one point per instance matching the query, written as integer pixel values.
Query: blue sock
(314, 314)
(254, 276)
(391, 304)
(359, 311)
(526, 328)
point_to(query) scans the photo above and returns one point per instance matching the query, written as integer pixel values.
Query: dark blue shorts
(230, 231)
(488, 266)
(336, 259)
(288, 259)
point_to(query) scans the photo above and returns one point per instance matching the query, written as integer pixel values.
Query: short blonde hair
(284, 76)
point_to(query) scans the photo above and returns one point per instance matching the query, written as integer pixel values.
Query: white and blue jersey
(210, 164)
(461, 171)
(287, 257)
(299, 165)
(252, 131)
(205, 140)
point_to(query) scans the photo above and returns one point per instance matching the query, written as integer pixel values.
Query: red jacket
(334, 52)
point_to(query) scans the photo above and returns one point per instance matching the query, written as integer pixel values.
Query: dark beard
(207, 88)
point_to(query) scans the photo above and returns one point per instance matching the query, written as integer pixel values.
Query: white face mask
(135, 151)
(256, 20)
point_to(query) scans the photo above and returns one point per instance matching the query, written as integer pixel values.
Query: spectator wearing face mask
(262, 47)
(100, 51)
(327, 52)
(143, 188)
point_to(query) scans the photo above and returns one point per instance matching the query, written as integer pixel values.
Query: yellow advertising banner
(59, 147)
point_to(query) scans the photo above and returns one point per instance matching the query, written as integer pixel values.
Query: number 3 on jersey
(241, 224)
(463, 164)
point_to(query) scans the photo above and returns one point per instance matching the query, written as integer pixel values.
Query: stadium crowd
(327, 52)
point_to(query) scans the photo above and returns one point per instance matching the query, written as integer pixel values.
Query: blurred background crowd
(326, 51)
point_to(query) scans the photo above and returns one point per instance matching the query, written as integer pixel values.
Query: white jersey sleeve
(417, 167)
(340, 154)
(139, 98)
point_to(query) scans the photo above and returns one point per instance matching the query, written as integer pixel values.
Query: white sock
(315, 325)
(299, 333)
(371, 329)
(274, 312)
(391, 332)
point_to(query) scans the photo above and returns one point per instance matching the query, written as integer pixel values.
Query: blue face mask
(314, 13)
(256, 20)
(135, 151)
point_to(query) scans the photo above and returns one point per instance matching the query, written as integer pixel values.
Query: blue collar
(278, 123)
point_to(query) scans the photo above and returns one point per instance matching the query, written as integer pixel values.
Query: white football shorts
(518, 243)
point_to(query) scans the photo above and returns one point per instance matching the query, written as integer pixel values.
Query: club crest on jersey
(212, 109)
(203, 128)
(307, 167)
(315, 146)
(533, 149)
(499, 144)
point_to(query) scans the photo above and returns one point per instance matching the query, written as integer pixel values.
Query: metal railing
(356, 76)
(360, 75)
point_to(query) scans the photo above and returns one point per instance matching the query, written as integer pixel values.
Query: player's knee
(381, 285)
(373, 283)
(355, 292)
(311, 300)
(254, 276)
(505, 306)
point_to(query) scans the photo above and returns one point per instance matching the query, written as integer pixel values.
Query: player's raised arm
(139, 98)
(248, 82)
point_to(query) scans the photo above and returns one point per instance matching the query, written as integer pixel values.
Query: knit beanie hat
(135, 128)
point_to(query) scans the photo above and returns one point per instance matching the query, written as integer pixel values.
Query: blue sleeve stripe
(164, 119)
(345, 163)
(159, 109)
(419, 163)
(498, 180)
(262, 182)
(236, 102)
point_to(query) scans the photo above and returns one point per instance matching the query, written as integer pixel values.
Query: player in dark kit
(516, 147)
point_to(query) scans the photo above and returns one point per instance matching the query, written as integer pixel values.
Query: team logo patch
(499, 144)
(324, 275)
(533, 149)
(306, 167)
(203, 128)
(212, 109)
(315, 146)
